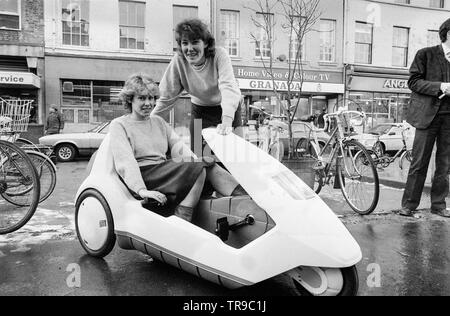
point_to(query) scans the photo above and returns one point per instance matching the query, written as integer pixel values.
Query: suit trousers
(438, 132)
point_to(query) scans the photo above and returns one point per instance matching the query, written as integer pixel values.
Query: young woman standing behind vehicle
(205, 72)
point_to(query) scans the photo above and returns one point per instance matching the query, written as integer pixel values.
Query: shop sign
(376, 84)
(396, 84)
(283, 74)
(310, 87)
(19, 78)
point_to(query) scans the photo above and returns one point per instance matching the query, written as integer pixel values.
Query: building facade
(91, 47)
(381, 40)
(22, 55)
(322, 54)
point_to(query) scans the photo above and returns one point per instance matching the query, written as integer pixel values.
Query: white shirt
(446, 48)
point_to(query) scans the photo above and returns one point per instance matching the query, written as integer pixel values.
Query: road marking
(2, 254)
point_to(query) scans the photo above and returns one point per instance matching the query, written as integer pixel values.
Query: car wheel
(66, 152)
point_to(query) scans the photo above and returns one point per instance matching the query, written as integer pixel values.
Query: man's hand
(445, 87)
(226, 127)
(158, 196)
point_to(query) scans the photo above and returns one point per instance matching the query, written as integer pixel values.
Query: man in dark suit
(429, 113)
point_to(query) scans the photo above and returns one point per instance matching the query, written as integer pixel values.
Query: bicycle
(357, 178)
(19, 182)
(269, 134)
(19, 186)
(382, 160)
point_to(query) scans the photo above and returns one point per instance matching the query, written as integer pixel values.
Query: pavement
(410, 253)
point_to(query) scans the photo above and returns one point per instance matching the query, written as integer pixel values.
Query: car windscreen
(97, 128)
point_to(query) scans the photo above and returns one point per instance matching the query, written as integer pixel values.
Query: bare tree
(297, 18)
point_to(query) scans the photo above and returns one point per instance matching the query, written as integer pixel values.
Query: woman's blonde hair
(137, 84)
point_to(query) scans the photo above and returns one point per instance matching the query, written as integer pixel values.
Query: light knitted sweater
(136, 144)
(212, 85)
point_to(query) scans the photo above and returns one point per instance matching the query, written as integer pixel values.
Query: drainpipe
(213, 5)
(344, 47)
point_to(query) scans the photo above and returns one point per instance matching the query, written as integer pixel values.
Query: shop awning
(19, 80)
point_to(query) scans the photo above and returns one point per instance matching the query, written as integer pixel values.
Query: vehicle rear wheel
(94, 224)
(314, 281)
(66, 152)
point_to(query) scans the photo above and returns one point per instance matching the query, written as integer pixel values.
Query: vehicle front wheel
(314, 281)
(94, 224)
(66, 152)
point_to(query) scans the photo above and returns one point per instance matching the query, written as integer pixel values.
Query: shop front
(382, 94)
(87, 89)
(22, 90)
(319, 89)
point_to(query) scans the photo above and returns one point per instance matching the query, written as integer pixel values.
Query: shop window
(75, 22)
(230, 31)
(69, 115)
(80, 95)
(132, 25)
(10, 14)
(106, 103)
(83, 116)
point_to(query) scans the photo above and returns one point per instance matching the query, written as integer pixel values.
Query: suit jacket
(428, 71)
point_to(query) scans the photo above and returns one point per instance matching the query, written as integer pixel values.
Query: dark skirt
(174, 179)
(211, 116)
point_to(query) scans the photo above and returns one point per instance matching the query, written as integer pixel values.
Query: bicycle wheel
(46, 170)
(306, 148)
(358, 177)
(19, 188)
(405, 159)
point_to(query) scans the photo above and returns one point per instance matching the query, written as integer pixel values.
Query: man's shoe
(445, 212)
(406, 212)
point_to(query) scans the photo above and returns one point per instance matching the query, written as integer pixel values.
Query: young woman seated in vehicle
(140, 144)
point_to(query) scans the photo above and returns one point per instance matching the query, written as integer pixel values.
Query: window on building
(10, 14)
(437, 3)
(400, 46)
(263, 47)
(132, 25)
(229, 21)
(81, 98)
(433, 38)
(181, 13)
(363, 43)
(296, 32)
(75, 22)
(328, 40)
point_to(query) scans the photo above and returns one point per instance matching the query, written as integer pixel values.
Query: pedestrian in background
(55, 123)
(429, 113)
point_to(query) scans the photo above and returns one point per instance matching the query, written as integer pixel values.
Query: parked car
(72, 145)
(390, 136)
(300, 130)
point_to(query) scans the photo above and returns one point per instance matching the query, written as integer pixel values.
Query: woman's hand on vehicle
(226, 127)
(157, 196)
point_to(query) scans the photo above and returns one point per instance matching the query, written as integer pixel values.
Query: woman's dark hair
(135, 85)
(443, 30)
(194, 29)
